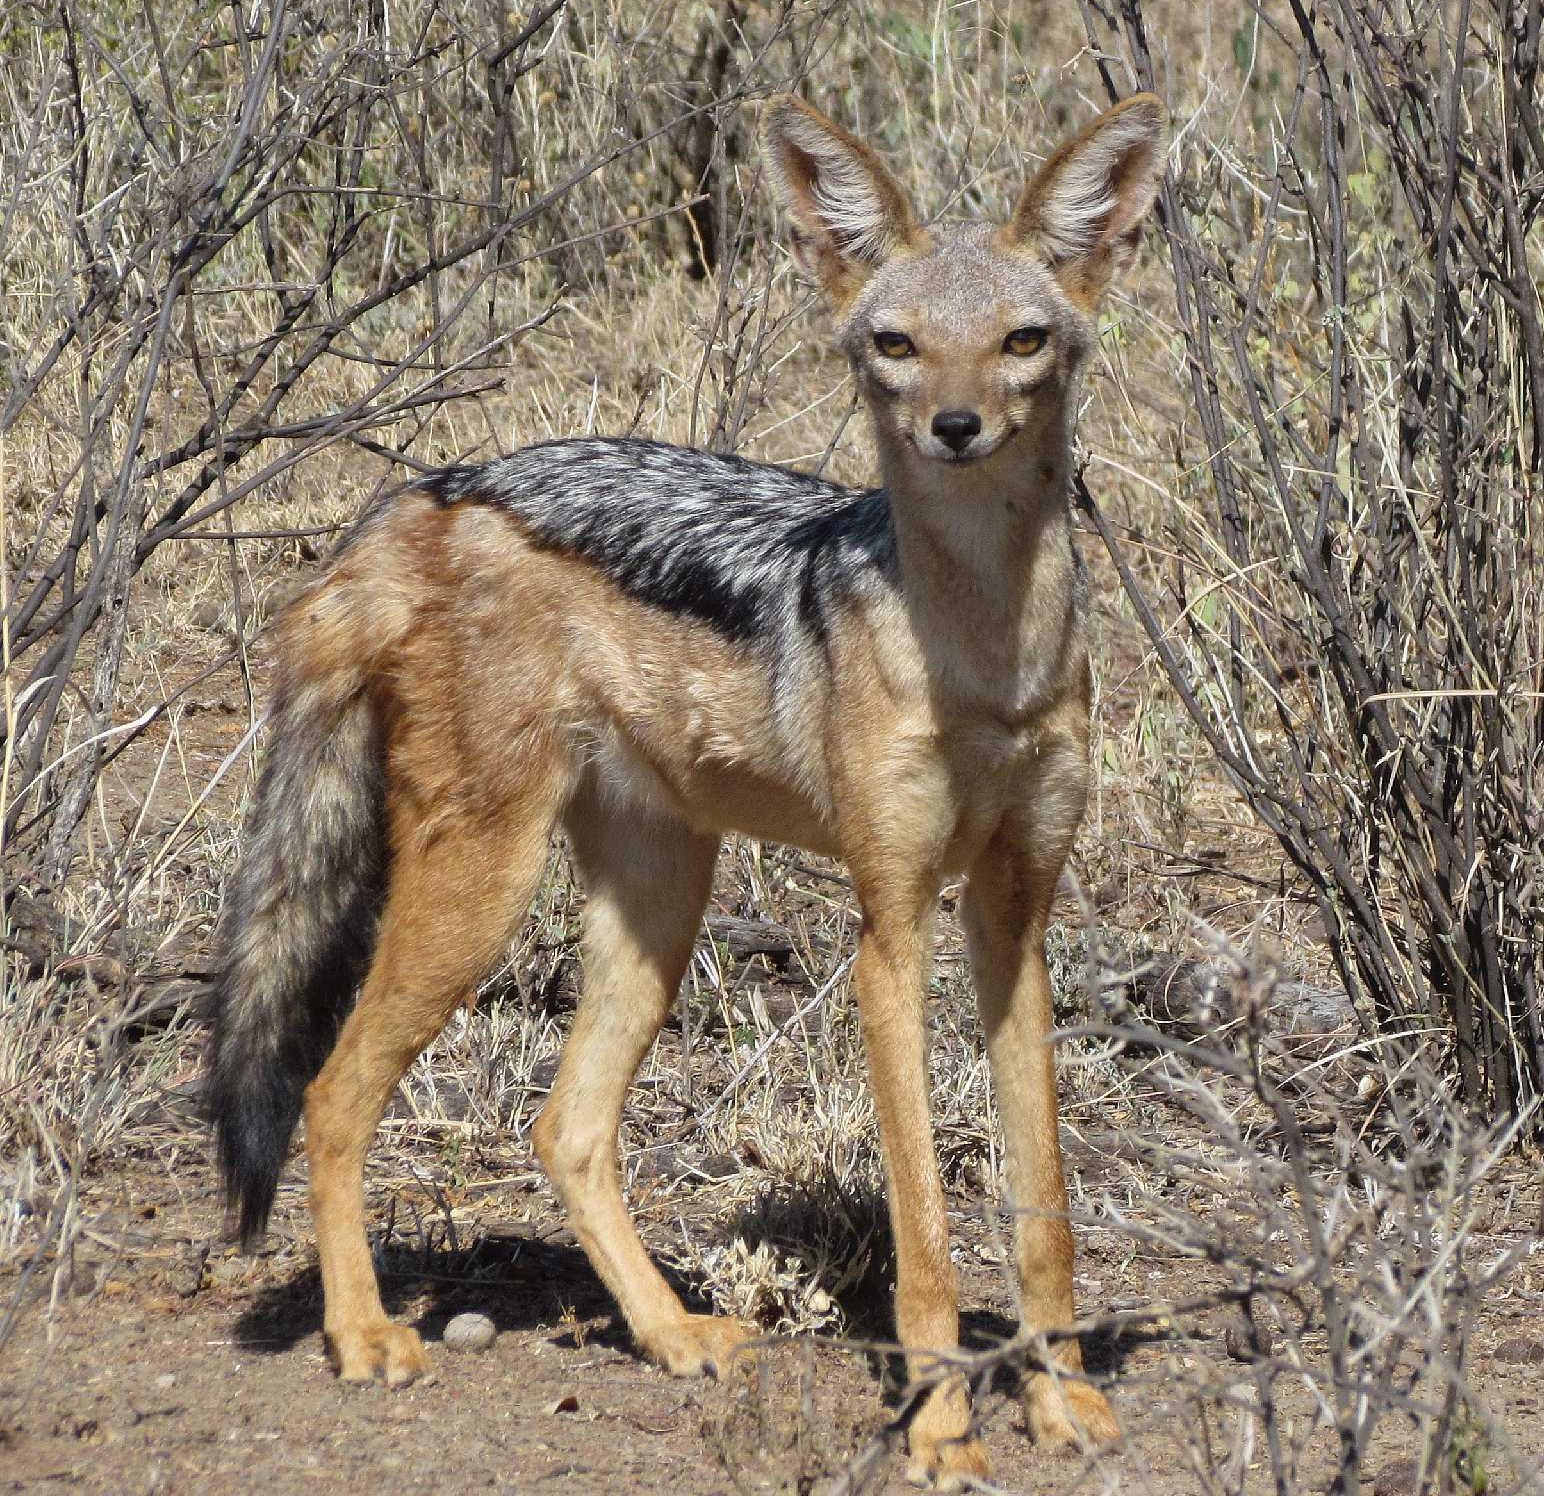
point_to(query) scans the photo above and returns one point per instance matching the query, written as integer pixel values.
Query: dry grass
(750, 1137)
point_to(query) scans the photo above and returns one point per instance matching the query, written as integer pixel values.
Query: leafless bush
(283, 229)
(1353, 602)
(1333, 1223)
(1335, 1217)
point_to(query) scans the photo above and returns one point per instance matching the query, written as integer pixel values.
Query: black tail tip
(253, 1127)
(246, 1216)
(250, 1187)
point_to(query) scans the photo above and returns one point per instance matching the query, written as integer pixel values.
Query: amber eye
(1024, 341)
(894, 344)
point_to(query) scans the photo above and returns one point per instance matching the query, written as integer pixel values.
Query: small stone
(187, 1277)
(1248, 1337)
(230, 1272)
(166, 1381)
(1521, 1350)
(470, 1332)
(217, 614)
(662, 1163)
(1398, 1478)
(80, 1278)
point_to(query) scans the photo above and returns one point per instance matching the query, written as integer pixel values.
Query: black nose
(954, 428)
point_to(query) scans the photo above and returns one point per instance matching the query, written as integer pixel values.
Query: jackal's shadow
(518, 1277)
(536, 1277)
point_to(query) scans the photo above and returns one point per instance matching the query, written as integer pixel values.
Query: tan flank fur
(479, 666)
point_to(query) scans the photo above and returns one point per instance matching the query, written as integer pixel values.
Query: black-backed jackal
(650, 646)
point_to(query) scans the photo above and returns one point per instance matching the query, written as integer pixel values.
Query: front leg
(891, 974)
(1007, 904)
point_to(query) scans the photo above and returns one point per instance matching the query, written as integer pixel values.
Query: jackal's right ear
(848, 213)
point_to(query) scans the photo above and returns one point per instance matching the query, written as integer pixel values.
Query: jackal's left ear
(1084, 211)
(848, 213)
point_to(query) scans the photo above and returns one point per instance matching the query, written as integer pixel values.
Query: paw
(947, 1464)
(1064, 1414)
(943, 1455)
(696, 1345)
(384, 1349)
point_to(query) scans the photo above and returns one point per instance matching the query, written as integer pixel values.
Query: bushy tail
(298, 928)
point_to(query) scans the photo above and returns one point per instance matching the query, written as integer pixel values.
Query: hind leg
(449, 909)
(648, 880)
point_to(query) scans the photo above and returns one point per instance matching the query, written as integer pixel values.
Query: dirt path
(172, 1371)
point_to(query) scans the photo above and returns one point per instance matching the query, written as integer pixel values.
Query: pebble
(470, 1332)
(166, 1381)
(1398, 1478)
(1521, 1350)
(230, 1272)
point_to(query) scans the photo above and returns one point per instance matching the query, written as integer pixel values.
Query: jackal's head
(963, 336)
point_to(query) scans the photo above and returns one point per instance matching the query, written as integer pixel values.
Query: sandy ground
(173, 1364)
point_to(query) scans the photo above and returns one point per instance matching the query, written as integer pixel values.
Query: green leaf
(1244, 44)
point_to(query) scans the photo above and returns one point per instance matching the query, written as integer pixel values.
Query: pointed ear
(848, 214)
(1084, 211)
